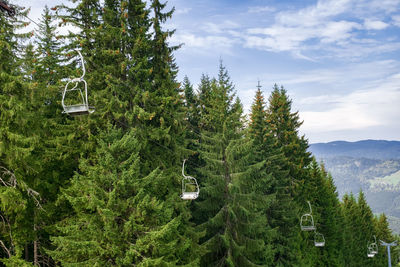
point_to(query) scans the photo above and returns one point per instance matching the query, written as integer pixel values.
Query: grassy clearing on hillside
(393, 180)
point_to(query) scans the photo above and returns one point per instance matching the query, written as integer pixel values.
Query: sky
(339, 60)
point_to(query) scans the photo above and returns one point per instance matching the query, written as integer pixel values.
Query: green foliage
(119, 214)
(103, 190)
(284, 125)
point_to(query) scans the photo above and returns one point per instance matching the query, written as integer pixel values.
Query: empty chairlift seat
(370, 252)
(75, 95)
(319, 240)
(190, 187)
(307, 220)
(372, 249)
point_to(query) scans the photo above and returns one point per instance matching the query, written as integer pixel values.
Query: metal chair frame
(370, 251)
(189, 180)
(77, 109)
(319, 240)
(307, 220)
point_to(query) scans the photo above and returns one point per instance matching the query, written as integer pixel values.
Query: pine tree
(332, 221)
(16, 144)
(383, 232)
(283, 213)
(232, 200)
(118, 217)
(326, 212)
(191, 104)
(284, 125)
(257, 125)
(249, 231)
(140, 93)
(204, 94)
(351, 223)
(192, 118)
(365, 228)
(359, 231)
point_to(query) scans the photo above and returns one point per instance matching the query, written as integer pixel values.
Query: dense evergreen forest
(105, 189)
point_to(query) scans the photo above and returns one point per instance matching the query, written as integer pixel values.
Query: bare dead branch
(35, 196)
(12, 182)
(5, 249)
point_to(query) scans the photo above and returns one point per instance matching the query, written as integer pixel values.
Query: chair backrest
(76, 87)
(319, 239)
(307, 221)
(83, 105)
(189, 181)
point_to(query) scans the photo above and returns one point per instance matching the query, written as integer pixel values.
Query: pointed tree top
(258, 85)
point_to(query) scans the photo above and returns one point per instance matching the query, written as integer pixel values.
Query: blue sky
(338, 59)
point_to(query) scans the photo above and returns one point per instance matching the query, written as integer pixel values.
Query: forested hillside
(371, 149)
(105, 188)
(372, 166)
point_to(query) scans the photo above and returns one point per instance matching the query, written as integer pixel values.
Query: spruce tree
(118, 217)
(349, 206)
(332, 220)
(211, 212)
(383, 232)
(365, 228)
(192, 117)
(284, 125)
(136, 72)
(279, 138)
(358, 231)
(231, 206)
(204, 95)
(16, 144)
(327, 218)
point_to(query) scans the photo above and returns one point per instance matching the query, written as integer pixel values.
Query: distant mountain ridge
(369, 165)
(372, 149)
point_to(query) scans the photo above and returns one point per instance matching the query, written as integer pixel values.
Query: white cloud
(261, 9)
(313, 15)
(182, 11)
(219, 28)
(361, 73)
(375, 25)
(328, 26)
(396, 20)
(368, 7)
(373, 107)
(285, 38)
(210, 42)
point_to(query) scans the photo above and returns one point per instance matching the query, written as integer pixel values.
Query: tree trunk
(26, 252)
(35, 250)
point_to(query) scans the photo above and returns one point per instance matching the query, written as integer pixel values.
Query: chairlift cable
(31, 20)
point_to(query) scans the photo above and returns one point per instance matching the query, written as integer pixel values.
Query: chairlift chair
(83, 107)
(374, 246)
(319, 240)
(307, 221)
(190, 188)
(370, 251)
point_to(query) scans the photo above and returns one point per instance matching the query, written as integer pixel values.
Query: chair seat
(308, 228)
(370, 255)
(189, 195)
(75, 110)
(319, 244)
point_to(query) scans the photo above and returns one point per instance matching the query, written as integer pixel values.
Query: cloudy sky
(338, 59)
